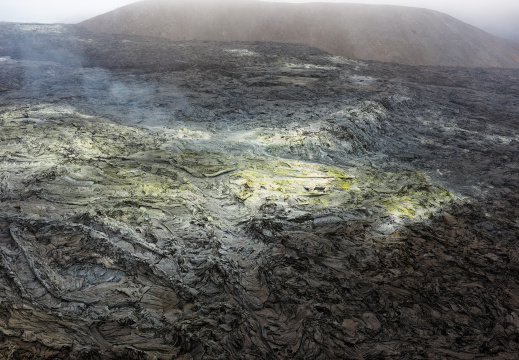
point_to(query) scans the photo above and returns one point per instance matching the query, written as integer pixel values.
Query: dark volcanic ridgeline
(252, 200)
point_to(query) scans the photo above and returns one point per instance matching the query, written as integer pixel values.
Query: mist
(498, 17)
(55, 11)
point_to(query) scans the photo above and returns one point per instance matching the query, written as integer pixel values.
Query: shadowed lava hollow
(202, 200)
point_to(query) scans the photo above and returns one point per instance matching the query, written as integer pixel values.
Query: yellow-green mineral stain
(316, 186)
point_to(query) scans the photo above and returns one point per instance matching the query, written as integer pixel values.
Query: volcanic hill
(397, 34)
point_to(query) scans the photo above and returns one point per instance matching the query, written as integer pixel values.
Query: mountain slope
(403, 35)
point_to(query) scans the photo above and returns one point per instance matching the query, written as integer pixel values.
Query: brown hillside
(403, 35)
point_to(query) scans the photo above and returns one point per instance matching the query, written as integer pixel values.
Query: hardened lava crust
(252, 200)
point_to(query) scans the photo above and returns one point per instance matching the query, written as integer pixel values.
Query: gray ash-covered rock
(203, 200)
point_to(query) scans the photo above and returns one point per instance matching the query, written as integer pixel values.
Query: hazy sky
(497, 16)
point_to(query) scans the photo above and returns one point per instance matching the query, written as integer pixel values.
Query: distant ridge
(404, 35)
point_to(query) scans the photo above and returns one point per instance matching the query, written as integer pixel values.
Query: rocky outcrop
(200, 200)
(402, 35)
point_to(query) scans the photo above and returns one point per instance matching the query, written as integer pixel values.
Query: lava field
(252, 200)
